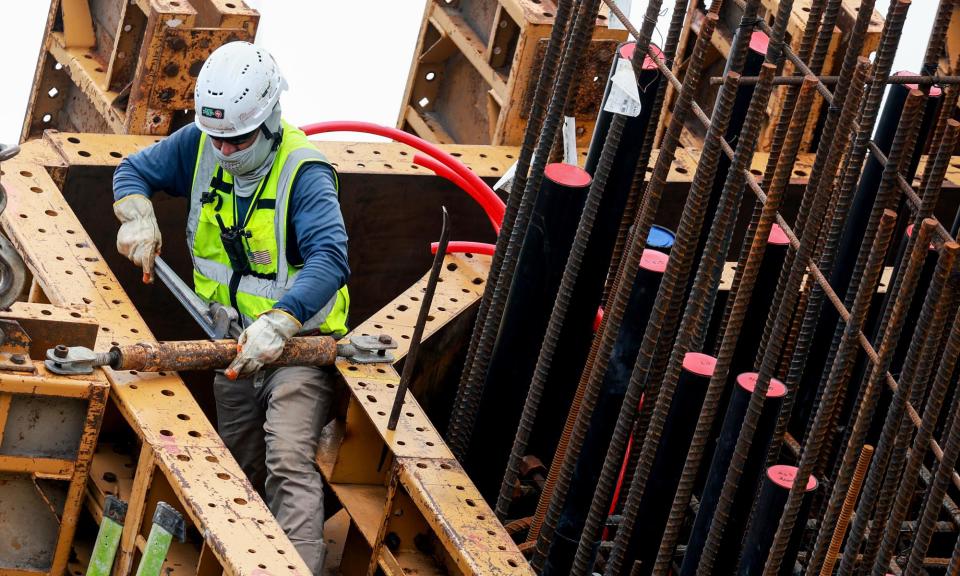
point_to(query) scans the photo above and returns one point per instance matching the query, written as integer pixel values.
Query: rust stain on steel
(151, 356)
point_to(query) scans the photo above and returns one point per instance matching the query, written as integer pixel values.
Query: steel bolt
(18, 359)
(385, 339)
(60, 351)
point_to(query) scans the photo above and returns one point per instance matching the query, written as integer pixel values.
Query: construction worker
(267, 237)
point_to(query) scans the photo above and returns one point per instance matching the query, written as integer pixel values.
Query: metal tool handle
(193, 304)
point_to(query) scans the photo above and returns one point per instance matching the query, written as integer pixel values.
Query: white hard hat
(236, 90)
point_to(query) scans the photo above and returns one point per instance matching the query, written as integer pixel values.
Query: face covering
(250, 165)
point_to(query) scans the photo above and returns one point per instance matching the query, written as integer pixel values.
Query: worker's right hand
(139, 236)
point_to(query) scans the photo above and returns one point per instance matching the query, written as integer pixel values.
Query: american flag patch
(261, 257)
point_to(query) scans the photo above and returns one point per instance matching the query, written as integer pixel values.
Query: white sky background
(343, 60)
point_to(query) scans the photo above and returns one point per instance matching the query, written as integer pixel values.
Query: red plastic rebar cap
(699, 364)
(777, 236)
(759, 42)
(567, 175)
(748, 381)
(654, 261)
(935, 91)
(783, 476)
(627, 50)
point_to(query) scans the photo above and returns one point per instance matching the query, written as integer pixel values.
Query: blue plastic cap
(660, 238)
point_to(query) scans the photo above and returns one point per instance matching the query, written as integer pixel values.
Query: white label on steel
(624, 97)
(507, 179)
(570, 140)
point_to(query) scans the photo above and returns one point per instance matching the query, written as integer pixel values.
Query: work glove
(262, 342)
(139, 235)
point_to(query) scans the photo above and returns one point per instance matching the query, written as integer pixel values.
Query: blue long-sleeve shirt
(316, 235)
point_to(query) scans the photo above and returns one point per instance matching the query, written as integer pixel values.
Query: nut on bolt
(60, 351)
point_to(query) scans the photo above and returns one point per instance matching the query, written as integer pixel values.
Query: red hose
(461, 246)
(494, 210)
(491, 203)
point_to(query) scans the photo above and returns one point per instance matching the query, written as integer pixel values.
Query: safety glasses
(239, 140)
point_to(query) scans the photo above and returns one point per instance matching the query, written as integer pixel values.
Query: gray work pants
(272, 428)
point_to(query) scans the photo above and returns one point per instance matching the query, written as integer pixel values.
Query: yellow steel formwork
(182, 458)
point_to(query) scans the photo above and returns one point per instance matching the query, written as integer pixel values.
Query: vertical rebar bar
(808, 244)
(750, 266)
(905, 492)
(865, 413)
(467, 397)
(638, 184)
(848, 503)
(613, 315)
(663, 317)
(934, 498)
(838, 374)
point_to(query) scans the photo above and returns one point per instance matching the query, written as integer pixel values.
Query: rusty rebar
(918, 79)
(866, 409)
(623, 236)
(848, 503)
(513, 227)
(670, 295)
(891, 450)
(749, 264)
(911, 473)
(559, 313)
(773, 350)
(931, 505)
(851, 173)
(663, 321)
(791, 101)
(614, 313)
(885, 199)
(839, 372)
(818, 56)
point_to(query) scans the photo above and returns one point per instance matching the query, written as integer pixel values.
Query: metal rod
(519, 203)
(411, 359)
(613, 315)
(919, 80)
(911, 473)
(624, 238)
(865, 412)
(849, 501)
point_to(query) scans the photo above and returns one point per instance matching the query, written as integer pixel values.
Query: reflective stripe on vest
(272, 275)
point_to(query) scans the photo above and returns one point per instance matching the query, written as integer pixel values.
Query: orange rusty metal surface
(158, 407)
(211, 354)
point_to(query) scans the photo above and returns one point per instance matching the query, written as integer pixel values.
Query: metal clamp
(73, 360)
(368, 349)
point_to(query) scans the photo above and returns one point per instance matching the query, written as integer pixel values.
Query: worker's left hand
(262, 342)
